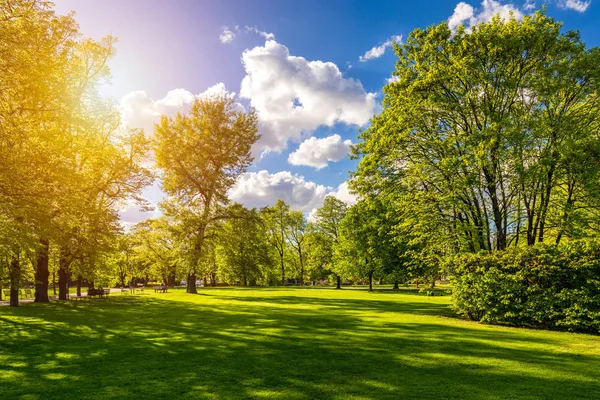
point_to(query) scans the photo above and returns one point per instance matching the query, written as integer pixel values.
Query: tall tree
(296, 235)
(477, 131)
(201, 154)
(327, 222)
(243, 251)
(276, 219)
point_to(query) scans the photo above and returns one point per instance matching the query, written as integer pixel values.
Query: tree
(370, 243)
(201, 155)
(155, 249)
(243, 251)
(276, 219)
(477, 135)
(327, 223)
(296, 236)
(65, 164)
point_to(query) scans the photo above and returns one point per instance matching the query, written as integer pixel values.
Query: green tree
(201, 155)
(243, 251)
(327, 223)
(478, 133)
(276, 220)
(296, 236)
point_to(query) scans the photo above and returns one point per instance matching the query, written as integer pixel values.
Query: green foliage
(489, 137)
(243, 255)
(542, 285)
(201, 154)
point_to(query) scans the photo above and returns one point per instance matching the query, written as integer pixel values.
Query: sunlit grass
(295, 343)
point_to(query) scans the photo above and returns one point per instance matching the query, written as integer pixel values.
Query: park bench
(6, 294)
(28, 294)
(160, 288)
(101, 293)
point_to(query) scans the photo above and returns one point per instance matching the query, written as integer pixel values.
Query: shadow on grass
(281, 347)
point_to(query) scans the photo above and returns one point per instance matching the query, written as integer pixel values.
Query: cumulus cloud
(260, 189)
(138, 110)
(227, 35)
(343, 193)
(317, 153)
(294, 96)
(465, 14)
(577, 5)
(378, 51)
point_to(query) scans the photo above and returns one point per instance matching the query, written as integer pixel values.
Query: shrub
(543, 285)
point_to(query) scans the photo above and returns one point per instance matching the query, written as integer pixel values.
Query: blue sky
(304, 65)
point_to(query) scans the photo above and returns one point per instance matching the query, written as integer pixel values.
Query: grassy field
(231, 343)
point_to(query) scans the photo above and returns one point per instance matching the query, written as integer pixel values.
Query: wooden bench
(28, 294)
(161, 288)
(6, 294)
(101, 293)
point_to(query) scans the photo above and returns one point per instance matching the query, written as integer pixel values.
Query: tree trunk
(63, 281)
(338, 284)
(213, 279)
(370, 281)
(282, 271)
(191, 284)
(42, 273)
(417, 281)
(54, 282)
(78, 286)
(15, 277)
(396, 287)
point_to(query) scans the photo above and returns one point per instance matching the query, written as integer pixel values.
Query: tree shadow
(280, 346)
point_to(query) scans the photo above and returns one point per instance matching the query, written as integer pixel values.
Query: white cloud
(266, 35)
(294, 96)
(378, 51)
(462, 12)
(529, 5)
(577, 5)
(318, 152)
(131, 213)
(465, 14)
(392, 79)
(260, 189)
(227, 35)
(138, 110)
(343, 193)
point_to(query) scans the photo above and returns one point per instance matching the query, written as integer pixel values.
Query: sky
(313, 70)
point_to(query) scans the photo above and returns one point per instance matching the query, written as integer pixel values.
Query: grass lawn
(288, 343)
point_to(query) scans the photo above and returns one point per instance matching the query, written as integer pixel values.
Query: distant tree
(243, 251)
(276, 220)
(154, 249)
(327, 223)
(296, 235)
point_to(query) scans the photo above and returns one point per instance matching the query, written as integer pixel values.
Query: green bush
(543, 285)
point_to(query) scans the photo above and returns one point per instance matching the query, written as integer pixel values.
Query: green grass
(292, 343)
